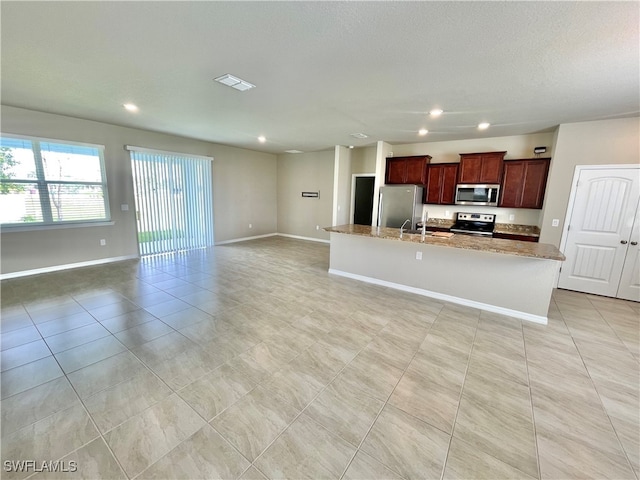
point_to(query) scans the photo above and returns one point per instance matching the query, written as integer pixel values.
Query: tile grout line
(310, 402)
(612, 329)
(101, 436)
(455, 418)
(364, 437)
(208, 422)
(602, 405)
(533, 410)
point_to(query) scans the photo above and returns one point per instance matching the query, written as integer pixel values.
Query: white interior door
(603, 211)
(630, 280)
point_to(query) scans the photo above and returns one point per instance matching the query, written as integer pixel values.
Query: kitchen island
(504, 276)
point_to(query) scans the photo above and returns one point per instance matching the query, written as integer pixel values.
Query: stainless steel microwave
(473, 194)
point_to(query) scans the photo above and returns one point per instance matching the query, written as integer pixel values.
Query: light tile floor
(250, 361)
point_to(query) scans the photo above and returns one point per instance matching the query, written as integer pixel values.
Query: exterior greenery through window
(51, 182)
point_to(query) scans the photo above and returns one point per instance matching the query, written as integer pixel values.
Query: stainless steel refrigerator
(398, 203)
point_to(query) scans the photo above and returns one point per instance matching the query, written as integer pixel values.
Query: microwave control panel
(477, 217)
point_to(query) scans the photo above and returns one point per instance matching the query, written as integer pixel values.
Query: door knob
(623, 242)
(634, 243)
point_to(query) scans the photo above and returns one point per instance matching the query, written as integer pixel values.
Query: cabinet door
(417, 170)
(523, 183)
(448, 184)
(470, 168)
(513, 181)
(535, 181)
(491, 168)
(396, 171)
(434, 179)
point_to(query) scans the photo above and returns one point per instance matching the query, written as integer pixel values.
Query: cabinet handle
(634, 243)
(623, 242)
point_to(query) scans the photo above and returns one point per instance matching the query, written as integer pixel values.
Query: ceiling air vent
(293, 151)
(359, 135)
(234, 82)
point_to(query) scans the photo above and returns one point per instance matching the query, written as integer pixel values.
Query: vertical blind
(174, 201)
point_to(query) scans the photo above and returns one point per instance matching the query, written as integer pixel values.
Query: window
(49, 182)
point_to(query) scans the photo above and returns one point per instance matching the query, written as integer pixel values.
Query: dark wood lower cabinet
(522, 238)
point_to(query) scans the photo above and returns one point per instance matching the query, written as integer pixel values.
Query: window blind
(174, 200)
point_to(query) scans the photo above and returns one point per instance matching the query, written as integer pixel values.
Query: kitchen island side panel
(508, 284)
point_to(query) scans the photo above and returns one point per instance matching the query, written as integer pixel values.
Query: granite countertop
(467, 242)
(439, 222)
(503, 228)
(509, 228)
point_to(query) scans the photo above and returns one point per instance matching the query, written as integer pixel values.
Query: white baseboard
(447, 298)
(244, 239)
(56, 268)
(311, 239)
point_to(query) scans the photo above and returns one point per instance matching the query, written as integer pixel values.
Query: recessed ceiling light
(483, 126)
(359, 135)
(436, 112)
(131, 107)
(351, 146)
(235, 82)
(262, 139)
(423, 131)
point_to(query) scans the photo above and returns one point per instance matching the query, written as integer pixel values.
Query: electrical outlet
(418, 255)
(512, 217)
(555, 222)
(124, 207)
(103, 242)
(447, 213)
(317, 227)
(250, 225)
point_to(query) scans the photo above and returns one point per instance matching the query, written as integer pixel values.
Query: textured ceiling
(324, 70)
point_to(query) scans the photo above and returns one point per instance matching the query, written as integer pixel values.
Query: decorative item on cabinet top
(407, 170)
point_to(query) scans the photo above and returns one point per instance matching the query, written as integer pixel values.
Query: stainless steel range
(474, 224)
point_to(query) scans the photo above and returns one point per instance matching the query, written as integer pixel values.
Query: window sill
(31, 228)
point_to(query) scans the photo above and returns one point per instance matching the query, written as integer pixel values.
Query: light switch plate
(124, 207)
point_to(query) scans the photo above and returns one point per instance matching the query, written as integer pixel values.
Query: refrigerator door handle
(380, 206)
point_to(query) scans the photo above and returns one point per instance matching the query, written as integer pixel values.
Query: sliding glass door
(174, 201)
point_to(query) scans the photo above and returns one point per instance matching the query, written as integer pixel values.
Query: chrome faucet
(402, 227)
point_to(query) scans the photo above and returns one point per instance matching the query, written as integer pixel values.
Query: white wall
(363, 160)
(299, 173)
(244, 188)
(341, 185)
(606, 142)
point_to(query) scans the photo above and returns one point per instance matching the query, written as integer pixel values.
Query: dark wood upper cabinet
(481, 167)
(441, 183)
(524, 182)
(410, 170)
(396, 171)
